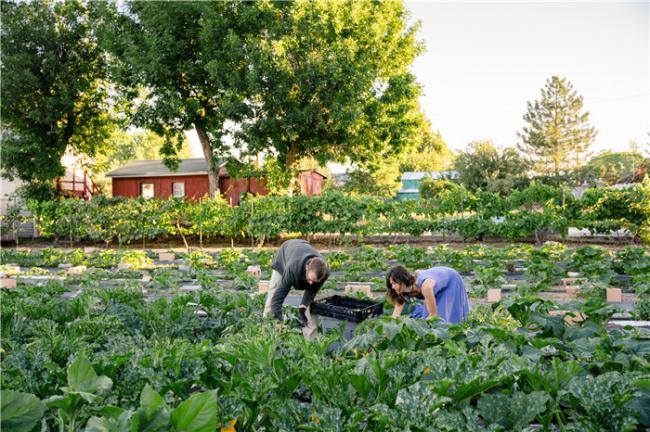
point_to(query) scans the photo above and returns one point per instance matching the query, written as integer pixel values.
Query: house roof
(314, 171)
(156, 168)
(419, 175)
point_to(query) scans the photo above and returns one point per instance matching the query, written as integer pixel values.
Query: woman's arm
(397, 310)
(429, 297)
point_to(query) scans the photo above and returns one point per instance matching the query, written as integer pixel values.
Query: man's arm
(310, 293)
(280, 294)
(308, 297)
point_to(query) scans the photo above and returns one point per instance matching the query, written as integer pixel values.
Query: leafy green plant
(485, 278)
(136, 259)
(509, 365)
(20, 411)
(642, 309)
(198, 260)
(512, 412)
(167, 278)
(632, 260)
(491, 315)
(84, 388)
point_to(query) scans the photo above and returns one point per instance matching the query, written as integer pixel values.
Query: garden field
(115, 340)
(135, 127)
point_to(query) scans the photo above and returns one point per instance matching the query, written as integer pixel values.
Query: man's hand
(302, 317)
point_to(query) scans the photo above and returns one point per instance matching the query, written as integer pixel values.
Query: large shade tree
(55, 96)
(331, 81)
(185, 66)
(320, 79)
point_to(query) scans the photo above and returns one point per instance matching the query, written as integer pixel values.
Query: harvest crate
(347, 308)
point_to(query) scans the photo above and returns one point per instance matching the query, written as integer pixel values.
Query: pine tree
(558, 134)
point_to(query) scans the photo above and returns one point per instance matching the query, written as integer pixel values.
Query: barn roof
(419, 175)
(156, 168)
(314, 171)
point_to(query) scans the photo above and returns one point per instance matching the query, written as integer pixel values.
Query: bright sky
(485, 60)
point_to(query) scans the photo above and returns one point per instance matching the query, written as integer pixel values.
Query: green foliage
(557, 135)
(121, 361)
(512, 412)
(429, 152)
(642, 309)
(20, 411)
(84, 387)
(196, 414)
(55, 95)
(432, 188)
(485, 278)
(183, 66)
(533, 212)
(14, 215)
(484, 167)
(331, 81)
(381, 179)
(610, 166)
(606, 209)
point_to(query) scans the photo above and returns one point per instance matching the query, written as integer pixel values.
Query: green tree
(485, 167)
(429, 152)
(558, 134)
(381, 179)
(185, 66)
(332, 82)
(426, 152)
(54, 89)
(125, 146)
(611, 166)
(432, 188)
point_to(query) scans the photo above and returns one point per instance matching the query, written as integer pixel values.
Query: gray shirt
(290, 262)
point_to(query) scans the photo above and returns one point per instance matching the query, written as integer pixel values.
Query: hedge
(522, 214)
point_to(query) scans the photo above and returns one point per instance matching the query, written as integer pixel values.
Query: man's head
(316, 270)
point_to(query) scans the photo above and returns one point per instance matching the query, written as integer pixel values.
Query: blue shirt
(449, 290)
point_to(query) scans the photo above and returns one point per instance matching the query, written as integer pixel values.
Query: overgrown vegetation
(531, 213)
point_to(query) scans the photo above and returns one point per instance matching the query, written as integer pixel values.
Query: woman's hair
(319, 266)
(400, 275)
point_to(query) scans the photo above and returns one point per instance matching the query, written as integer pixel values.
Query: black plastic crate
(347, 308)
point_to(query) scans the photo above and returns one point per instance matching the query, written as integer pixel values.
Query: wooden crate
(255, 271)
(614, 295)
(166, 256)
(362, 288)
(7, 283)
(493, 295)
(75, 270)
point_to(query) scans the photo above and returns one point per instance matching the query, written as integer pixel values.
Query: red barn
(152, 179)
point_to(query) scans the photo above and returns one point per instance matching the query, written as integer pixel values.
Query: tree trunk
(289, 161)
(213, 176)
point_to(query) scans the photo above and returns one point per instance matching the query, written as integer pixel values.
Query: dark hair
(400, 275)
(319, 266)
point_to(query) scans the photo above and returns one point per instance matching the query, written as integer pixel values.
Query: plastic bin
(347, 308)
